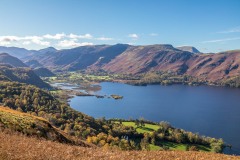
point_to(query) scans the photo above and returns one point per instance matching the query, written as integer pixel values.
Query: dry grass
(18, 147)
(21, 114)
(12, 120)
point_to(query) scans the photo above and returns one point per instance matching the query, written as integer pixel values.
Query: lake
(210, 111)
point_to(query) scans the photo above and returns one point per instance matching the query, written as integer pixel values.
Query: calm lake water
(210, 111)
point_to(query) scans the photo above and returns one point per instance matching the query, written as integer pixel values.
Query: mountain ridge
(5, 58)
(129, 59)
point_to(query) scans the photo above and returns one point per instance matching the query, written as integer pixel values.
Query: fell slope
(20, 147)
(139, 59)
(43, 72)
(33, 64)
(80, 57)
(211, 67)
(29, 125)
(13, 61)
(126, 59)
(17, 52)
(30, 99)
(22, 75)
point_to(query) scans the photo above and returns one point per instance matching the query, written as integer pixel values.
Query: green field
(148, 128)
(84, 77)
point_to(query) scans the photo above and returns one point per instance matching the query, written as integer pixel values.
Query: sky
(208, 25)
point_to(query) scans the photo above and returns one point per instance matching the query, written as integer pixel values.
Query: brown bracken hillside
(14, 121)
(16, 146)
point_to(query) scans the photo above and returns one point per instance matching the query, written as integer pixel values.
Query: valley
(65, 93)
(119, 80)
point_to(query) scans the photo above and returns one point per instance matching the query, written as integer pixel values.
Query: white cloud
(56, 36)
(153, 34)
(60, 39)
(131, 43)
(4, 43)
(40, 42)
(134, 36)
(104, 39)
(72, 43)
(85, 36)
(9, 38)
(26, 43)
(232, 30)
(221, 40)
(37, 40)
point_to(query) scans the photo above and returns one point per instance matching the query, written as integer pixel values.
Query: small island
(114, 96)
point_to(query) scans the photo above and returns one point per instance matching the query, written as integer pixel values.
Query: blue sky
(209, 25)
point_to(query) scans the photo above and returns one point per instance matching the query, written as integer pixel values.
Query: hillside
(212, 67)
(33, 64)
(47, 50)
(15, 146)
(126, 59)
(16, 51)
(100, 132)
(22, 75)
(43, 72)
(13, 61)
(14, 121)
(80, 57)
(32, 100)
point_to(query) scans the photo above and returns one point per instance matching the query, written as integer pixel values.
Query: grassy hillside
(30, 125)
(15, 146)
(154, 128)
(32, 100)
(146, 128)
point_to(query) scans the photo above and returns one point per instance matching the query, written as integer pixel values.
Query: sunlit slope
(14, 121)
(19, 147)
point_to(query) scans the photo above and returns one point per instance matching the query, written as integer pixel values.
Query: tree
(165, 126)
(142, 122)
(137, 123)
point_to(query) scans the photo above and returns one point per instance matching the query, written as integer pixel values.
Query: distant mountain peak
(4, 54)
(189, 49)
(48, 49)
(5, 58)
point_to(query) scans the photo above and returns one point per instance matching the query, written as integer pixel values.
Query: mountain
(211, 67)
(140, 59)
(13, 61)
(80, 57)
(33, 64)
(189, 49)
(17, 52)
(127, 59)
(39, 69)
(47, 50)
(22, 75)
(22, 52)
(43, 72)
